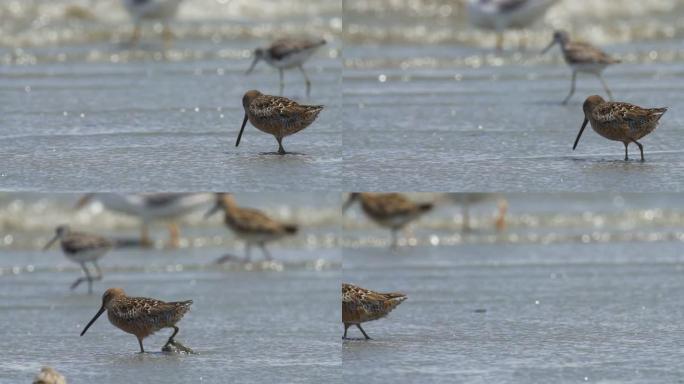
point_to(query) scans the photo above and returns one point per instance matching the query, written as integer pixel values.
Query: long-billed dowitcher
(140, 316)
(360, 305)
(82, 248)
(162, 11)
(153, 207)
(499, 15)
(288, 53)
(250, 225)
(582, 57)
(390, 210)
(48, 375)
(275, 115)
(619, 121)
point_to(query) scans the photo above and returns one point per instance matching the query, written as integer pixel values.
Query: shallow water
(429, 106)
(580, 288)
(80, 111)
(250, 322)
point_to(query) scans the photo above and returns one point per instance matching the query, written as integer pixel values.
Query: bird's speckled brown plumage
(275, 115)
(620, 121)
(360, 305)
(140, 316)
(251, 225)
(390, 210)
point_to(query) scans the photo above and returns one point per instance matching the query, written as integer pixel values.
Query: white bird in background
(163, 11)
(500, 15)
(165, 207)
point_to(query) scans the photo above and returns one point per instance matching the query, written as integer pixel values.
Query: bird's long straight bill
(251, 67)
(548, 47)
(244, 122)
(213, 210)
(584, 125)
(49, 244)
(102, 309)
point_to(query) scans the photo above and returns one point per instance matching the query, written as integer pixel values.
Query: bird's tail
(659, 112)
(291, 229)
(393, 300)
(424, 207)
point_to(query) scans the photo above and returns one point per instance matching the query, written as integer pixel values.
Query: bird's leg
(281, 149)
(170, 340)
(135, 37)
(362, 331)
(174, 235)
(82, 279)
(282, 81)
(145, 236)
(641, 148)
(499, 42)
(395, 239)
(142, 350)
(626, 156)
(167, 35)
(265, 252)
(248, 252)
(306, 79)
(572, 87)
(522, 43)
(465, 226)
(346, 326)
(98, 270)
(605, 86)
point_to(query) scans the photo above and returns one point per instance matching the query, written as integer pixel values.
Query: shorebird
(141, 316)
(48, 375)
(167, 207)
(499, 15)
(390, 210)
(619, 121)
(250, 225)
(285, 54)
(157, 10)
(82, 248)
(278, 116)
(582, 57)
(468, 199)
(360, 305)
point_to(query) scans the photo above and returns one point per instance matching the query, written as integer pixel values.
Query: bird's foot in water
(174, 346)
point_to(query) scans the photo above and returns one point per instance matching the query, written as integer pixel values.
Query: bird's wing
(584, 53)
(252, 220)
(285, 47)
(78, 242)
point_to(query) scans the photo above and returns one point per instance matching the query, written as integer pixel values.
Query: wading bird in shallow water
(48, 375)
(275, 115)
(152, 207)
(141, 316)
(582, 57)
(82, 248)
(389, 210)
(287, 54)
(466, 200)
(360, 305)
(500, 15)
(250, 225)
(619, 121)
(163, 11)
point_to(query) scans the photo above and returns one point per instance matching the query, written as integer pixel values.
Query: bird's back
(143, 316)
(360, 305)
